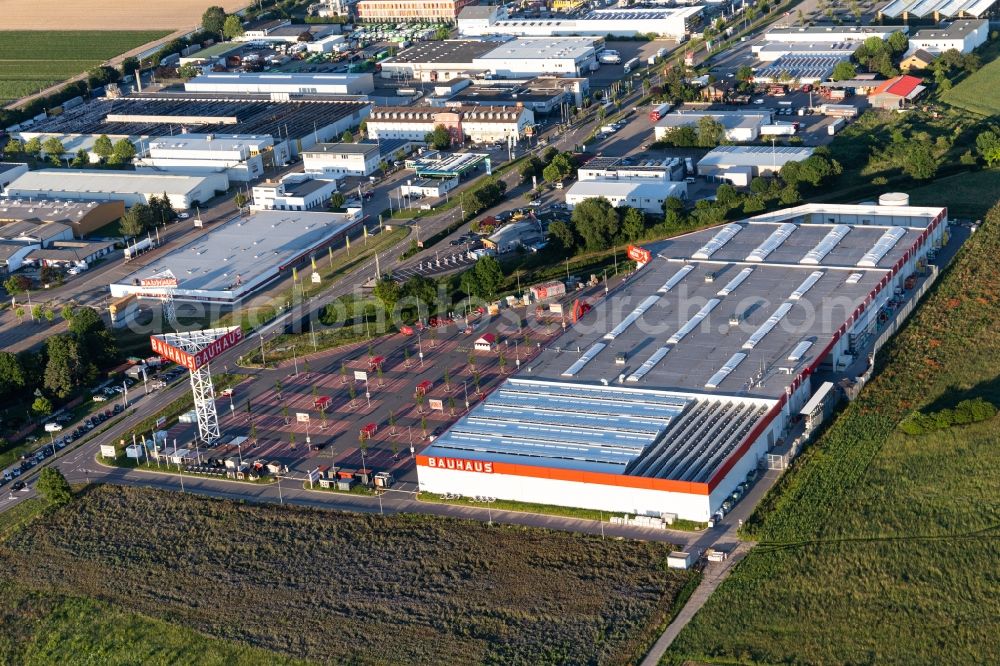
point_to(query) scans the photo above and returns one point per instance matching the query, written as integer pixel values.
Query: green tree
(214, 20)
(103, 147)
(14, 146)
(441, 33)
(240, 199)
(898, 42)
(337, 201)
(421, 289)
(129, 65)
(347, 136)
(439, 138)
(489, 277)
(52, 485)
(42, 406)
(232, 27)
(53, 149)
(710, 132)
(920, 162)
(387, 292)
(81, 160)
(744, 73)
(188, 71)
(65, 369)
(136, 220)
(95, 340)
(844, 71)
(561, 233)
(633, 224)
(17, 284)
(531, 168)
(12, 379)
(988, 146)
(123, 152)
(597, 223)
(33, 146)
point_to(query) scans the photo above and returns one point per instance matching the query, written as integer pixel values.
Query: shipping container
(541, 292)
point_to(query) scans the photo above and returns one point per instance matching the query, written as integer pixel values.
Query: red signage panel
(460, 465)
(171, 353)
(217, 346)
(158, 282)
(639, 254)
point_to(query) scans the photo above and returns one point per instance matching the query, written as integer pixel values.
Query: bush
(968, 411)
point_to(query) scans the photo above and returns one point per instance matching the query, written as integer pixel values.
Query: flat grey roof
(956, 30)
(10, 166)
(754, 155)
(461, 51)
(246, 248)
(53, 181)
(344, 148)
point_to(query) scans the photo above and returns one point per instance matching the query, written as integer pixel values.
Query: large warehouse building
(301, 83)
(671, 390)
(240, 256)
(131, 187)
(671, 22)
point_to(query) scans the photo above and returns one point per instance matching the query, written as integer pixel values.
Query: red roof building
(896, 92)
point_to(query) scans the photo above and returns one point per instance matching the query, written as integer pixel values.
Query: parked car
(99, 398)
(52, 426)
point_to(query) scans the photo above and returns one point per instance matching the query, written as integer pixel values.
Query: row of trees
(67, 362)
(553, 166)
(485, 195)
(217, 22)
(114, 153)
(417, 292)
(707, 133)
(875, 55)
(145, 216)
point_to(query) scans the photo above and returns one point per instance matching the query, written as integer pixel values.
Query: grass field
(966, 194)
(33, 60)
(878, 547)
(107, 14)
(979, 92)
(324, 586)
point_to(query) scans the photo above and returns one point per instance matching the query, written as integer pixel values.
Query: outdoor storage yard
(322, 586)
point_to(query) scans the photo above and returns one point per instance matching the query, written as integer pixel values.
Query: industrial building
(741, 126)
(688, 376)
(474, 123)
(740, 164)
(240, 256)
(83, 217)
(543, 95)
(516, 58)
(424, 11)
(670, 22)
(65, 254)
(771, 51)
(283, 31)
(814, 34)
(964, 36)
(800, 69)
(131, 187)
(9, 171)
(645, 195)
(299, 120)
(42, 234)
(295, 191)
(897, 92)
(938, 9)
(336, 160)
(241, 158)
(632, 169)
(298, 83)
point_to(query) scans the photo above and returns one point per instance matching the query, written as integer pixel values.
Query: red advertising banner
(158, 282)
(217, 346)
(171, 353)
(639, 254)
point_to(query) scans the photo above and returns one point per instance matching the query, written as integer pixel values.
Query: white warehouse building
(671, 22)
(282, 82)
(645, 195)
(652, 407)
(336, 160)
(295, 191)
(963, 35)
(240, 157)
(479, 124)
(132, 187)
(740, 126)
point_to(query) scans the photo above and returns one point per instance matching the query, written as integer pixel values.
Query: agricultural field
(967, 195)
(107, 14)
(979, 92)
(879, 547)
(324, 586)
(33, 60)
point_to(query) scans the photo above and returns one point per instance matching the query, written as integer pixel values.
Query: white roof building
(336, 160)
(240, 157)
(298, 83)
(750, 160)
(647, 196)
(963, 35)
(237, 257)
(937, 9)
(132, 187)
(831, 33)
(739, 126)
(295, 191)
(672, 22)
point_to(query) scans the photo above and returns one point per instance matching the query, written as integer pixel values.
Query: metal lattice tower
(166, 282)
(194, 350)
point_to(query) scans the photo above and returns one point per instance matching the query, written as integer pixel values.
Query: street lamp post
(263, 361)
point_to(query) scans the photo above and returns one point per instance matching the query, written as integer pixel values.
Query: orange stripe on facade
(582, 476)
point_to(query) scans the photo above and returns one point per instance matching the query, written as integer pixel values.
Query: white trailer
(833, 127)
(777, 130)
